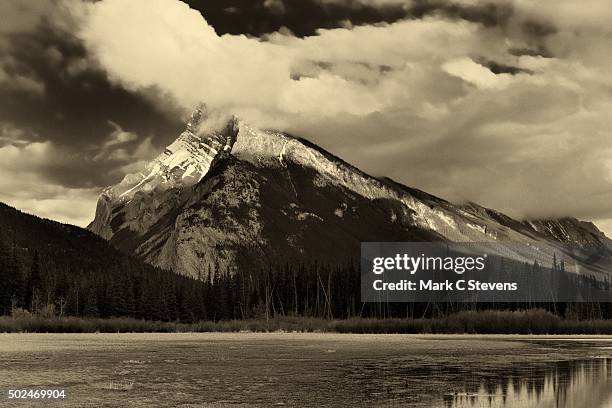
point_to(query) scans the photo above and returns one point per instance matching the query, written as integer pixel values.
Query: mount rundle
(245, 197)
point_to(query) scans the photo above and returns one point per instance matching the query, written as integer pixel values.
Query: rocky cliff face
(242, 196)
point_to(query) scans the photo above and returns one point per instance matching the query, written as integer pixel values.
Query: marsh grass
(534, 321)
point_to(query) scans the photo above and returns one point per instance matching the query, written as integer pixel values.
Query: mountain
(238, 196)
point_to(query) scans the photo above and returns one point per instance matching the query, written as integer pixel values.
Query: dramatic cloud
(301, 17)
(498, 103)
(321, 75)
(23, 185)
(56, 114)
(502, 103)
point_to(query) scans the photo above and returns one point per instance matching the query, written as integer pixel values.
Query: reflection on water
(565, 384)
(463, 383)
(313, 370)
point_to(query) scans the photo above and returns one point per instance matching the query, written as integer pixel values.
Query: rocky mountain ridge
(241, 196)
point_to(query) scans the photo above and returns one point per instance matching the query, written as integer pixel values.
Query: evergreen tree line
(333, 292)
(51, 268)
(42, 284)
(118, 286)
(47, 267)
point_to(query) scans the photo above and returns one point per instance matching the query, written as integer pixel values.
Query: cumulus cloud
(184, 56)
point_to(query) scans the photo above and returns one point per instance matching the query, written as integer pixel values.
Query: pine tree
(34, 286)
(5, 288)
(91, 303)
(171, 302)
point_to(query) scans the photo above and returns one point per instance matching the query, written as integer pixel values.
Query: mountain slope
(242, 196)
(43, 262)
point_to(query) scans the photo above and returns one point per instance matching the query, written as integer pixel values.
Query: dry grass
(536, 321)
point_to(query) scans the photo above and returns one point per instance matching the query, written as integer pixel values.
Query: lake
(318, 370)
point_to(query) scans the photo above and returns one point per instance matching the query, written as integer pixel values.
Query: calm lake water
(318, 370)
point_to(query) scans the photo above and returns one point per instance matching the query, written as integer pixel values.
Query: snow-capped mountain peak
(183, 163)
(273, 197)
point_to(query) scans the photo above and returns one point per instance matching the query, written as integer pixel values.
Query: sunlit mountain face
(235, 195)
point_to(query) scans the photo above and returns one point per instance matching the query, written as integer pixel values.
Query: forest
(52, 269)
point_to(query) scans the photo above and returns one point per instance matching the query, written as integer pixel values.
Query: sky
(505, 103)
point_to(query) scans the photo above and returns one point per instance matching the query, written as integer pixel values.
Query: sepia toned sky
(506, 103)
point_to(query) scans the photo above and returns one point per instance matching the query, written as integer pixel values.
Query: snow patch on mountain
(184, 162)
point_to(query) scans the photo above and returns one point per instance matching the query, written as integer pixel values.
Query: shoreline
(301, 334)
(527, 322)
